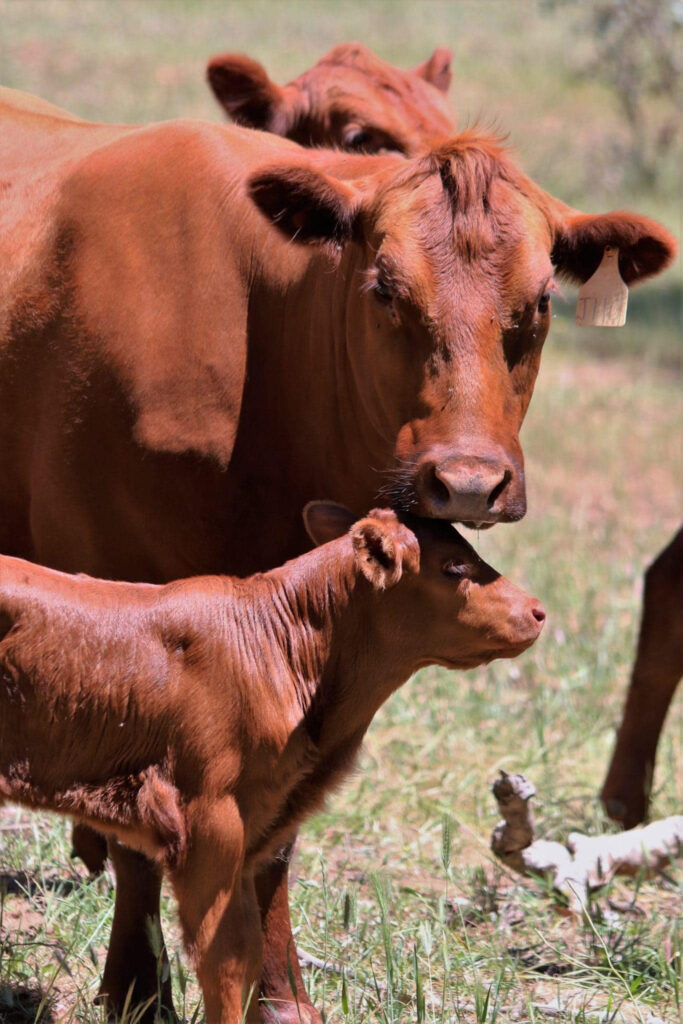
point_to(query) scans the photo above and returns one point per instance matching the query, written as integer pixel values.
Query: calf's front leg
(219, 914)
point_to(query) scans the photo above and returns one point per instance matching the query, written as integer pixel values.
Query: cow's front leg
(279, 1004)
(656, 672)
(132, 963)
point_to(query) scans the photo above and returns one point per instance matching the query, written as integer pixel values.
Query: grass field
(395, 881)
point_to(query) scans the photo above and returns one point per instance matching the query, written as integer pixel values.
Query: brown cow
(350, 99)
(356, 101)
(178, 376)
(200, 722)
(656, 673)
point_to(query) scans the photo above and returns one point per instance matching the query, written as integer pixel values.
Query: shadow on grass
(21, 1005)
(22, 883)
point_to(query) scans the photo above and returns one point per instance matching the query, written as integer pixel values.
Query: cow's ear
(437, 69)
(246, 93)
(645, 247)
(305, 204)
(326, 520)
(384, 547)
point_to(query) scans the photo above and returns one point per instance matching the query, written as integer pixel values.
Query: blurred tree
(639, 54)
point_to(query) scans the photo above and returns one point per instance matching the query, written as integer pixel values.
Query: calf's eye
(456, 569)
(382, 291)
(544, 303)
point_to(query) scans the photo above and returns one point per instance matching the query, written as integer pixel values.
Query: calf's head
(443, 301)
(438, 602)
(350, 99)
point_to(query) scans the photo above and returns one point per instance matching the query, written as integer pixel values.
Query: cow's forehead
(353, 78)
(503, 237)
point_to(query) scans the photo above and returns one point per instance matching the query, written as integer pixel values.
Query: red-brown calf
(199, 722)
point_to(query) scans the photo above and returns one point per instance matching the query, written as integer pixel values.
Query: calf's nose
(528, 622)
(470, 490)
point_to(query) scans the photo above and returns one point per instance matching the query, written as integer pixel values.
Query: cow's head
(350, 99)
(448, 269)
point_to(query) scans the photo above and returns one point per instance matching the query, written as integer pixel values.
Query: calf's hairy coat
(199, 722)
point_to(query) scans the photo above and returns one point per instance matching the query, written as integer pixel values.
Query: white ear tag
(603, 297)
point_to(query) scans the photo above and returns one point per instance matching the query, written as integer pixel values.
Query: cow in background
(350, 99)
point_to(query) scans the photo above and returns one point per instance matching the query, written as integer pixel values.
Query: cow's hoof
(616, 808)
(626, 791)
(286, 1011)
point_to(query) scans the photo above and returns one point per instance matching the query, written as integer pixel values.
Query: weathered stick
(587, 862)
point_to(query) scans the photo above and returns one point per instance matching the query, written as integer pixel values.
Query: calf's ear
(305, 204)
(246, 93)
(384, 548)
(437, 69)
(326, 520)
(645, 247)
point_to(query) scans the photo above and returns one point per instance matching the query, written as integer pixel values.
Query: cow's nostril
(498, 489)
(441, 492)
(538, 613)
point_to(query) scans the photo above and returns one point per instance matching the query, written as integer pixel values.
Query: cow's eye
(383, 291)
(544, 303)
(359, 139)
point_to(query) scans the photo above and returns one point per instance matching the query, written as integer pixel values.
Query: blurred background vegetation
(394, 877)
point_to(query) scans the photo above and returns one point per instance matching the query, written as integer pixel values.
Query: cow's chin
(476, 526)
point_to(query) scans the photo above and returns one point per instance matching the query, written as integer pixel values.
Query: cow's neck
(305, 432)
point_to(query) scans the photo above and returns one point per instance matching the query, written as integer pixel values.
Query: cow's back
(123, 337)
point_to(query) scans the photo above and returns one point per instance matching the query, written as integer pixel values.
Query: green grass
(394, 881)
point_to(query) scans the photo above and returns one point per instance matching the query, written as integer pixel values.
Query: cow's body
(178, 377)
(201, 721)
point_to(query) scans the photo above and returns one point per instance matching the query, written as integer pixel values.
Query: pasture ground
(395, 880)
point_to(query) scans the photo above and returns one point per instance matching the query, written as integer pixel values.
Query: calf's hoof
(286, 1011)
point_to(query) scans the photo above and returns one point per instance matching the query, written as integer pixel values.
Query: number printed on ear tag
(603, 297)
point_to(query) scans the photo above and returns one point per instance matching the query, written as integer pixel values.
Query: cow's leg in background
(280, 962)
(131, 959)
(658, 668)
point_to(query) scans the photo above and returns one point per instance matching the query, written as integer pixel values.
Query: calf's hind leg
(656, 672)
(131, 960)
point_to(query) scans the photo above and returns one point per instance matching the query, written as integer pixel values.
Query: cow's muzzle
(471, 490)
